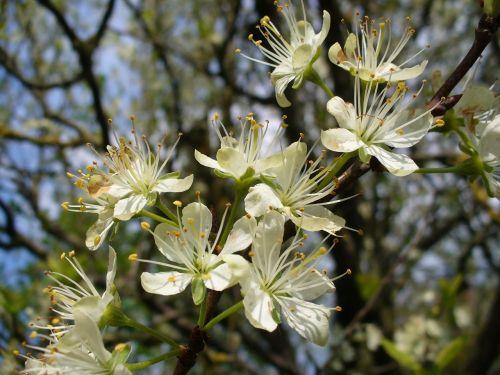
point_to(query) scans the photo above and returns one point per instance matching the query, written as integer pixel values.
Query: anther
(132, 257)
(178, 204)
(145, 225)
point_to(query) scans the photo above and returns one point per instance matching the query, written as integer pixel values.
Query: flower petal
(340, 140)
(173, 185)
(316, 218)
(165, 283)
(241, 235)
(258, 309)
(220, 278)
(268, 239)
(206, 161)
(98, 231)
(404, 74)
(88, 331)
(169, 243)
(310, 320)
(197, 220)
(128, 207)
(314, 283)
(343, 112)
(110, 276)
(397, 164)
(232, 161)
(260, 199)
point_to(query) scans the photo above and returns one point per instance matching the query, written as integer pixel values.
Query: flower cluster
(276, 187)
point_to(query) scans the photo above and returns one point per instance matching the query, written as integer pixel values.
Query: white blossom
(190, 255)
(370, 53)
(488, 148)
(133, 179)
(80, 351)
(376, 121)
(296, 192)
(290, 58)
(279, 283)
(242, 157)
(67, 295)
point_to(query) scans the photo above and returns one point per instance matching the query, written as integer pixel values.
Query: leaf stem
(156, 217)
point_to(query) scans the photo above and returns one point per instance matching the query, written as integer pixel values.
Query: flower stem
(156, 217)
(145, 364)
(223, 315)
(153, 332)
(241, 189)
(165, 210)
(335, 167)
(313, 76)
(455, 169)
(203, 310)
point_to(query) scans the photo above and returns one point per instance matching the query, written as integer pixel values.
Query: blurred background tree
(424, 296)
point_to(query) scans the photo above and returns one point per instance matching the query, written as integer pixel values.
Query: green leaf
(404, 359)
(449, 352)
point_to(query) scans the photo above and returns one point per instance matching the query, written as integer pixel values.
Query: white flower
(80, 351)
(191, 257)
(371, 55)
(488, 148)
(242, 158)
(134, 178)
(68, 296)
(375, 122)
(295, 192)
(290, 59)
(283, 283)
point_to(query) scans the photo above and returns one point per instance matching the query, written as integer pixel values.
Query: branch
(485, 31)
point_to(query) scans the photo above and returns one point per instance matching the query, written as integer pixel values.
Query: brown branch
(485, 31)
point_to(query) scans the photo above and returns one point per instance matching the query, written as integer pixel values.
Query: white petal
(315, 285)
(197, 220)
(241, 235)
(221, 278)
(110, 275)
(489, 143)
(128, 207)
(97, 233)
(268, 239)
(91, 306)
(410, 134)
(340, 140)
(302, 56)
(406, 73)
(165, 283)
(258, 309)
(308, 319)
(324, 29)
(336, 55)
(118, 191)
(343, 112)
(206, 161)
(260, 199)
(316, 218)
(232, 161)
(294, 157)
(272, 161)
(397, 164)
(169, 244)
(89, 332)
(173, 185)
(240, 267)
(351, 43)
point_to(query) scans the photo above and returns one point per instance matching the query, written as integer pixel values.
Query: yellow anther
(439, 122)
(70, 175)
(63, 255)
(145, 225)
(120, 347)
(97, 239)
(322, 250)
(65, 205)
(171, 279)
(237, 50)
(15, 352)
(349, 272)
(251, 253)
(55, 321)
(132, 257)
(250, 37)
(338, 308)
(178, 204)
(71, 253)
(33, 334)
(81, 201)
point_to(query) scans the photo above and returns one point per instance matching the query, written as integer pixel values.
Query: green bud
(276, 314)
(198, 290)
(363, 156)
